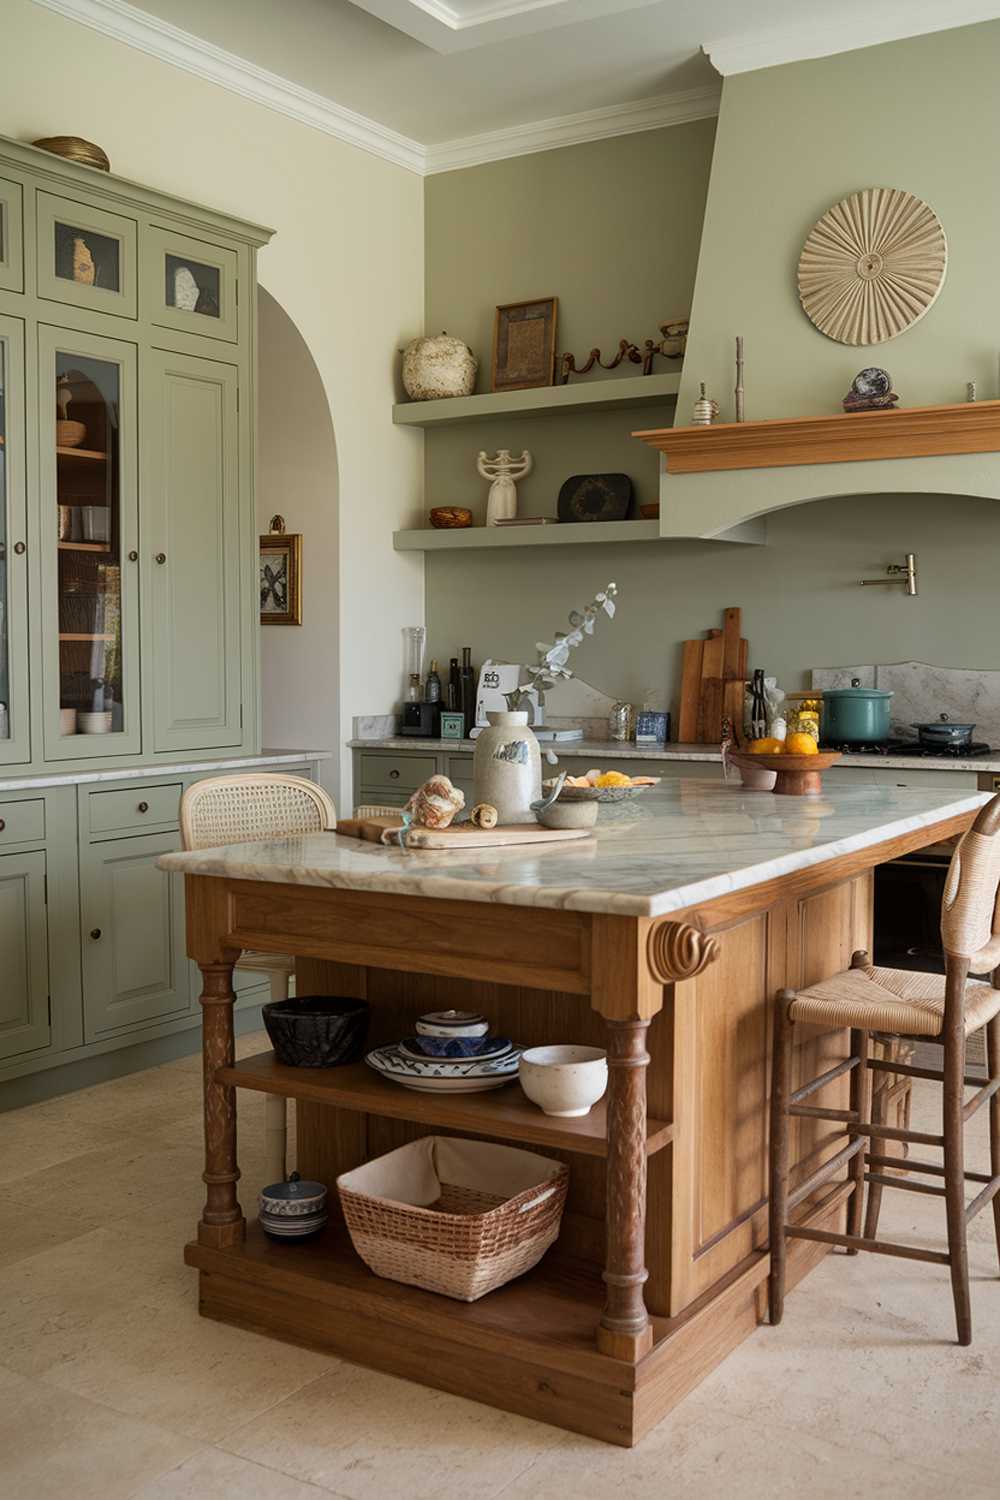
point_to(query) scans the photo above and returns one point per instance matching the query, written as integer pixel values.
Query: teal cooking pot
(855, 714)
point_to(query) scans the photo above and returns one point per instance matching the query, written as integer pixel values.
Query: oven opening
(908, 893)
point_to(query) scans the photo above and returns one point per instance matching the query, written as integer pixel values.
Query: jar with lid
(621, 722)
(803, 713)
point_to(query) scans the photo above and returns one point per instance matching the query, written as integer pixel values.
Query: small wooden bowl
(450, 517)
(650, 512)
(798, 775)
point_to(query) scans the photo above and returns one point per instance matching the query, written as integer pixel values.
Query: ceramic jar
(507, 767)
(437, 368)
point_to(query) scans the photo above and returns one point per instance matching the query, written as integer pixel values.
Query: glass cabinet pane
(193, 287)
(4, 548)
(86, 257)
(88, 495)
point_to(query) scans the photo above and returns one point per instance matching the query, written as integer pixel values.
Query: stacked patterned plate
(292, 1210)
(452, 1053)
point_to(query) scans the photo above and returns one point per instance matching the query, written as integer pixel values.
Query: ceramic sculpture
(185, 289)
(84, 270)
(504, 471)
(705, 409)
(434, 369)
(435, 804)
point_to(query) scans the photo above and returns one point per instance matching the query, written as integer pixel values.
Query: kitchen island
(663, 938)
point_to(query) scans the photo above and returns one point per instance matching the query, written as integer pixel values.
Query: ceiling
(437, 70)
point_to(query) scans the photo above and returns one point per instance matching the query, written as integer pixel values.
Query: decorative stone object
(507, 767)
(705, 409)
(504, 471)
(872, 266)
(436, 368)
(186, 291)
(435, 804)
(484, 816)
(84, 270)
(871, 390)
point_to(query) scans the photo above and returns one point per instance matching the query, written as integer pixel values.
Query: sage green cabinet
(11, 235)
(132, 918)
(15, 728)
(191, 527)
(25, 1023)
(191, 284)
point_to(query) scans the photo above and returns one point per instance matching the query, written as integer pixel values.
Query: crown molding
(574, 130)
(169, 44)
(181, 49)
(889, 21)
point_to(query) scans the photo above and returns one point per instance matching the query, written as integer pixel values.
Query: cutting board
(464, 836)
(713, 673)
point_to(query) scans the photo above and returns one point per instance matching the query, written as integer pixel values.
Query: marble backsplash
(921, 693)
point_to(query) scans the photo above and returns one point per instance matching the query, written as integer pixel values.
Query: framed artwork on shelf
(524, 344)
(280, 575)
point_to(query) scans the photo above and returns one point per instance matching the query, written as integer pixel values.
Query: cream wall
(346, 265)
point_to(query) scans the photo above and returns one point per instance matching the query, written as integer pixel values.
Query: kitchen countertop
(616, 750)
(674, 846)
(174, 768)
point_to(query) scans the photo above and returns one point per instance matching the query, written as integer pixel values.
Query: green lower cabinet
(25, 1024)
(135, 970)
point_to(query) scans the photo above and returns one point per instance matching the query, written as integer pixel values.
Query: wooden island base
(660, 1267)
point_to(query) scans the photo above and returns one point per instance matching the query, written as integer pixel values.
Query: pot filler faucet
(904, 573)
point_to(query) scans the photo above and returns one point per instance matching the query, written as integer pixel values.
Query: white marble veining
(922, 692)
(599, 752)
(676, 846)
(374, 726)
(174, 768)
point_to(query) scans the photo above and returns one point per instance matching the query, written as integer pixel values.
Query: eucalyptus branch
(551, 667)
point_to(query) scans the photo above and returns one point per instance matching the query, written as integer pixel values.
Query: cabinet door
(11, 236)
(15, 740)
(86, 256)
(24, 994)
(191, 532)
(190, 284)
(89, 538)
(134, 966)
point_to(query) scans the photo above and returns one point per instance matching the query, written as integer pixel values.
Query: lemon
(801, 744)
(613, 778)
(766, 747)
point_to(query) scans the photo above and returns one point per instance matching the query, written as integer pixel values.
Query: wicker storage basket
(454, 1216)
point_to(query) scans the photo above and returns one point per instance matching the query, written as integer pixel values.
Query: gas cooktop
(912, 748)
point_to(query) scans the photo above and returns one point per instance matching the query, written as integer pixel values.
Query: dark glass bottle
(468, 689)
(432, 691)
(454, 686)
(758, 706)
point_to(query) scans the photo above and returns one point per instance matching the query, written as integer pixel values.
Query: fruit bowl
(798, 775)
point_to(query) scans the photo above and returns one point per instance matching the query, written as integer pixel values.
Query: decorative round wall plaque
(872, 266)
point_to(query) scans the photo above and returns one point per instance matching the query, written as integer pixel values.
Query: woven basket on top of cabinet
(454, 1216)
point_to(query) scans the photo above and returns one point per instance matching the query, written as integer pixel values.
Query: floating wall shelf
(916, 432)
(542, 401)
(470, 537)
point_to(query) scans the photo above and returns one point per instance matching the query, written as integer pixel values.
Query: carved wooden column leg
(222, 1221)
(624, 1330)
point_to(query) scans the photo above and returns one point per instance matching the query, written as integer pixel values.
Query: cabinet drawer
(396, 773)
(136, 807)
(22, 822)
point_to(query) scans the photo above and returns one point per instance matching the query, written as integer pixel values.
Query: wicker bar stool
(242, 810)
(893, 1004)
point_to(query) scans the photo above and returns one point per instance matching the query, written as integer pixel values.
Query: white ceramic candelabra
(503, 471)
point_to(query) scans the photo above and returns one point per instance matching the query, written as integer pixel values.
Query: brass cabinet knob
(394, 775)
(95, 933)
(161, 557)
(143, 807)
(133, 556)
(3, 824)
(20, 548)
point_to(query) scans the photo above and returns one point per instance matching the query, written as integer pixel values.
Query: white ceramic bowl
(564, 1081)
(93, 723)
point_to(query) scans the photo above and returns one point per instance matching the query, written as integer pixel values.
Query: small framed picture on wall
(524, 344)
(280, 575)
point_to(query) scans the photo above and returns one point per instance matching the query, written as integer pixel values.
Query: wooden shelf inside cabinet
(541, 401)
(73, 636)
(84, 546)
(86, 455)
(462, 538)
(500, 1112)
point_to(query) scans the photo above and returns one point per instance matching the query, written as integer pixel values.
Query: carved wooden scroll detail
(676, 950)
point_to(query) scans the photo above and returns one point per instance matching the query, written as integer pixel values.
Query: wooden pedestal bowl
(798, 775)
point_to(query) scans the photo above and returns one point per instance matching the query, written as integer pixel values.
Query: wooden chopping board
(462, 837)
(713, 672)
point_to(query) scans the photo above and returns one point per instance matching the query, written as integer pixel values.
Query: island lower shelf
(500, 1112)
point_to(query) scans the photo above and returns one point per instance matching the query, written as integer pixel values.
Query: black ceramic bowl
(317, 1031)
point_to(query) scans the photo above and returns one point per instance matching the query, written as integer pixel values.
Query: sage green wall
(612, 229)
(919, 115)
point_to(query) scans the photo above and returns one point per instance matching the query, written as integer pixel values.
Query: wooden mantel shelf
(913, 432)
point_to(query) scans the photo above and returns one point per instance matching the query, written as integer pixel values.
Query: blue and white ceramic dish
(452, 1023)
(455, 1047)
(434, 1075)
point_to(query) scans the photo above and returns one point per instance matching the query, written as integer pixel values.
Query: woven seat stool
(892, 1005)
(243, 809)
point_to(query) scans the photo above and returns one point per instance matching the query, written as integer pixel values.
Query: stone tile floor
(111, 1386)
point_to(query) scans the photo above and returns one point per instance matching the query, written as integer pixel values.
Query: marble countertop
(80, 776)
(597, 750)
(677, 845)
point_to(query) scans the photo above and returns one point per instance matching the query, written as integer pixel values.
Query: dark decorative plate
(872, 382)
(595, 497)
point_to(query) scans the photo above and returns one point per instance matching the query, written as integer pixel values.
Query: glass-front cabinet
(15, 739)
(86, 256)
(190, 285)
(87, 401)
